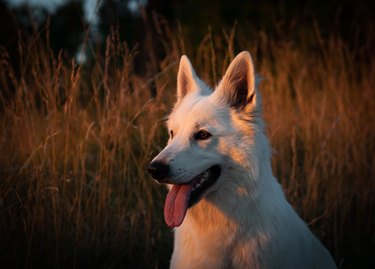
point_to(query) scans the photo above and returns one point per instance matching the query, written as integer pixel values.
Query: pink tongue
(176, 205)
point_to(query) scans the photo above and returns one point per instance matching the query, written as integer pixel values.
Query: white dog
(227, 208)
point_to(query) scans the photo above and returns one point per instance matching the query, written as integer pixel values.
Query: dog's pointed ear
(186, 78)
(238, 83)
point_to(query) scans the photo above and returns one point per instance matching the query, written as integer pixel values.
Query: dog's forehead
(195, 109)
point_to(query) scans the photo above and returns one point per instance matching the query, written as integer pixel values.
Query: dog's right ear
(186, 78)
(238, 84)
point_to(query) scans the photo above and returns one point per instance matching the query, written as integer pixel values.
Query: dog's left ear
(238, 84)
(186, 78)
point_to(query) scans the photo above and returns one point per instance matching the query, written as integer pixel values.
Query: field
(75, 141)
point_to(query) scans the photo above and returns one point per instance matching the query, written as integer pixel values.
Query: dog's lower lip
(212, 175)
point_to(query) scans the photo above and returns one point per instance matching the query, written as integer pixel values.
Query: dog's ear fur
(186, 78)
(238, 84)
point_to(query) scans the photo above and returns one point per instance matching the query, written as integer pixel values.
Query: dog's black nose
(158, 170)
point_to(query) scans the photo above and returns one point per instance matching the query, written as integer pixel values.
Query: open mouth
(183, 196)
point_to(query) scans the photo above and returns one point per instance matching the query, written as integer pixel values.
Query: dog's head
(211, 136)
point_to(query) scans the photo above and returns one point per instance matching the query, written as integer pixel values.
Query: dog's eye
(202, 135)
(171, 133)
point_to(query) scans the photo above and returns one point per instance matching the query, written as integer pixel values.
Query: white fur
(244, 220)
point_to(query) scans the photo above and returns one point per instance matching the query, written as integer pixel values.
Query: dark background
(67, 28)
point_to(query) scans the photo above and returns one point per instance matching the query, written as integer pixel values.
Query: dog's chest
(210, 247)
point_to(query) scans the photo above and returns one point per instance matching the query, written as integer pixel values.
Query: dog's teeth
(200, 180)
(204, 176)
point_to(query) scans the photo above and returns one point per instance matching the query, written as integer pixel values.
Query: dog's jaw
(183, 196)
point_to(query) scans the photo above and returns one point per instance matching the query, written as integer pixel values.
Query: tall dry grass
(74, 142)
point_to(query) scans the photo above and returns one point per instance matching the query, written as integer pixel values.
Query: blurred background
(84, 86)
(71, 24)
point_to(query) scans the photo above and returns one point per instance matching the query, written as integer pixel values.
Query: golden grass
(74, 142)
